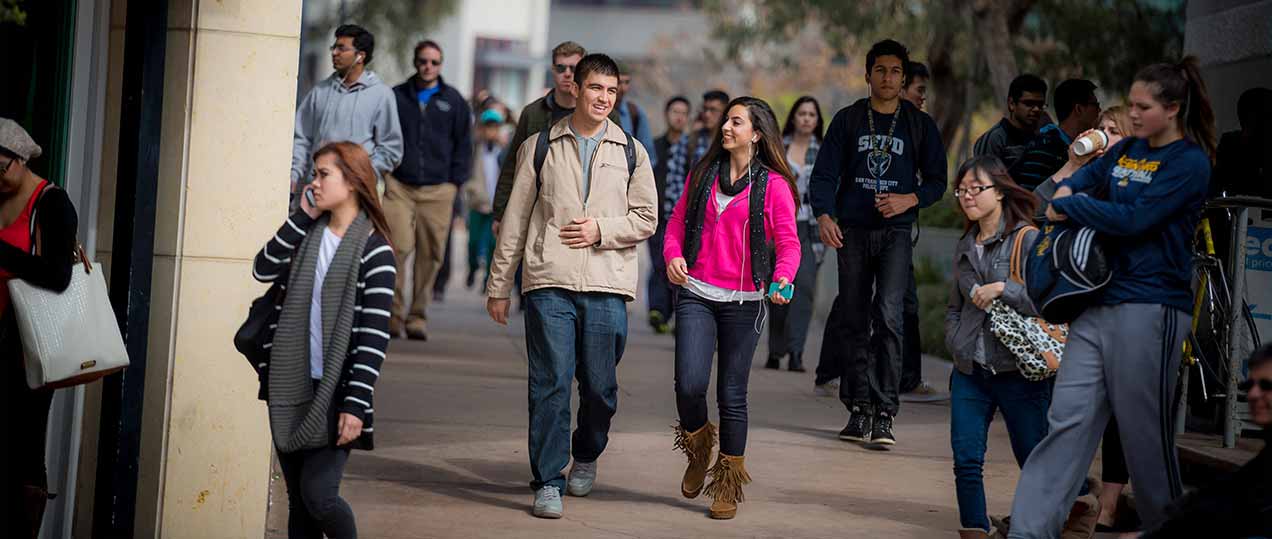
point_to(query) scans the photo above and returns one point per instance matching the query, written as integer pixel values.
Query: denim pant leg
(856, 283)
(971, 411)
(891, 280)
(695, 346)
(660, 291)
(911, 343)
(551, 332)
(603, 318)
(1024, 407)
(800, 310)
(831, 360)
(736, 338)
(315, 507)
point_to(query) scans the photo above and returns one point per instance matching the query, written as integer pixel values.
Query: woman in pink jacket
(731, 234)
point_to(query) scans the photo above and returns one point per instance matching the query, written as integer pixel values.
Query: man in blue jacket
(420, 194)
(866, 192)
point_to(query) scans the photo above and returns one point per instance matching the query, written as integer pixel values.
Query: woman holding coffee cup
(1114, 125)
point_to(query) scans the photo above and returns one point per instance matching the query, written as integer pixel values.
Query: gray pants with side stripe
(1121, 360)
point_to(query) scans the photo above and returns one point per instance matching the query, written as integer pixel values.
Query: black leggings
(1114, 468)
(24, 479)
(313, 494)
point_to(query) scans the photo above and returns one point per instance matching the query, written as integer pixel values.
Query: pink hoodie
(724, 259)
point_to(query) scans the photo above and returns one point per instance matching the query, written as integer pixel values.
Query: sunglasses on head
(422, 61)
(562, 68)
(1264, 385)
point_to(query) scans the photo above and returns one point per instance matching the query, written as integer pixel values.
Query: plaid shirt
(678, 165)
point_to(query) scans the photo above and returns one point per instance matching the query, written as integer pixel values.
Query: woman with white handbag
(37, 245)
(987, 376)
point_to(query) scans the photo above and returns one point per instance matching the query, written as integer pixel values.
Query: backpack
(541, 155)
(1037, 344)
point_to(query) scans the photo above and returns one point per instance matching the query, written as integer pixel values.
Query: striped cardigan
(370, 340)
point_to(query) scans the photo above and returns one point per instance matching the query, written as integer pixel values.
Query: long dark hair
(355, 166)
(771, 153)
(1019, 204)
(789, 129)
(1182, 83)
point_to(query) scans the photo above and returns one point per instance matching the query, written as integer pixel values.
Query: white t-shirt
(326, 251)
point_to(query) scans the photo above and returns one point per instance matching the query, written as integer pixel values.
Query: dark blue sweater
(437, 141)
(1154, 204)
(845, 179)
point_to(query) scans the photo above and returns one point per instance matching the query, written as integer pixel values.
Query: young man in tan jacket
(575, 224)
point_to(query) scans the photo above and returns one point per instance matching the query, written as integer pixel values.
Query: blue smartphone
(788, 291)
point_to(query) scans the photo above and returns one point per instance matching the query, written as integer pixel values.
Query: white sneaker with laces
(547, 502)
(582, 477)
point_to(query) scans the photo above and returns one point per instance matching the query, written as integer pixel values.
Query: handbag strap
(35, 245)
(1017, 246)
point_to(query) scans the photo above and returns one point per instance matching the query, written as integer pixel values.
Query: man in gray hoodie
(350, 105)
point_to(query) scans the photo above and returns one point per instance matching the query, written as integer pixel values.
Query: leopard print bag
(1037, 344)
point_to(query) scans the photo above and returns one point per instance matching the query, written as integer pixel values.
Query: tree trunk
(949, 91)
(992, 21)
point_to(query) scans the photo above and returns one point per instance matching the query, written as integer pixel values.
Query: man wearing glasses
(1077, 109)
(420, 194)
(1026, 102)
(541, 114)
(351, 105)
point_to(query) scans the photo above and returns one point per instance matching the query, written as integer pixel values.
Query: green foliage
(934, 293)
(398, 24)
(11, 12)
(943, 214)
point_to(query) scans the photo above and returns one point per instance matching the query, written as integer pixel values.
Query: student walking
(661, 302)
(336, 268)
(731, 234)
(488, 155)
(37, 245)
(1123, 353)
(788, 327)
(998, 218)
(582, 201)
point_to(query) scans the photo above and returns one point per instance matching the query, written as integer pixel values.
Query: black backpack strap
(630, 151)
(541, 155)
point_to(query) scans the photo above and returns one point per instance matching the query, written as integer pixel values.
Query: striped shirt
(369, 343)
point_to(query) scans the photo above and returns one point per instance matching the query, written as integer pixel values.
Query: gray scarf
(300, 416)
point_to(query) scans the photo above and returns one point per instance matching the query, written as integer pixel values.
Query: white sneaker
(547, 502)
(828, 389)
(582, 476)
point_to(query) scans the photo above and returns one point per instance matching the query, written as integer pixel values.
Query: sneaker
(925, 392)
(882, 433)
(858, 429)
(1082, 518)
(659, 322)
(582, 476)
(828, 389)
(774, 362)
(547, 502)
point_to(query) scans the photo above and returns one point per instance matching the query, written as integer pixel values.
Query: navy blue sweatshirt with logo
(1147, 222)
(847, 175)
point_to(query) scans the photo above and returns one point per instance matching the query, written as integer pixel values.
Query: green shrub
(943, 214)
(934, 293)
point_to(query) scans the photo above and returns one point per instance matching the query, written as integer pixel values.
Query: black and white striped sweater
(370, 340)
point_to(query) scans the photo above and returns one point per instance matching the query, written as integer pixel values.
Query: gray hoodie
(365, 113)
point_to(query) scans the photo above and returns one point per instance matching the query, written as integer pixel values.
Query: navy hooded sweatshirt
(437, 136)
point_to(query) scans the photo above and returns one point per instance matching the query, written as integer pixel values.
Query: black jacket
(437, 141)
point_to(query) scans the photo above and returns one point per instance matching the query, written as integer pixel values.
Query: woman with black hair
(1122, 357)
(732, 233)
(788, 329)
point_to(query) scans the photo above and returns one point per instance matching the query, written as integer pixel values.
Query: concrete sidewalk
(451, 451)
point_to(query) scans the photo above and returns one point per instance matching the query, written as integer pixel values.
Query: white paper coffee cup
(1093, 141)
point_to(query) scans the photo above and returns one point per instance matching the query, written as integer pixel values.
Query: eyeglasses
(1265, 385)
(5, 167)
(1032, 104)
(974, 190)
(422, 61)
(341, 49)
(562, 68)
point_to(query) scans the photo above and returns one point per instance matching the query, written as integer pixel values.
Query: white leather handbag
(68, 338)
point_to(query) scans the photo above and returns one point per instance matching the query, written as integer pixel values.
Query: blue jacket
(1155, 197)
(437, 141)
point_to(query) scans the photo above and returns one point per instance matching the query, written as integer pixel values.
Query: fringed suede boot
(727, 478)
(697, 446)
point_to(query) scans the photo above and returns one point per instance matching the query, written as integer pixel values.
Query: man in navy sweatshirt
(866, 194)
(420, 195)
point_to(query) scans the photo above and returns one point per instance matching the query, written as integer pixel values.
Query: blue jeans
(661, 294)
(571, 335)
(704, 328)
(973, 400)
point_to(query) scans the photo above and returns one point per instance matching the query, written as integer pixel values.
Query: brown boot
(727, 478)
(697, 446)
(1082, 518)
(417, 329)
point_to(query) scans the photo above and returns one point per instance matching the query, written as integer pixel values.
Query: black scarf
(761, 252)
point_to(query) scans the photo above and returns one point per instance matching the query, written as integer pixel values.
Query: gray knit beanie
(14, 139)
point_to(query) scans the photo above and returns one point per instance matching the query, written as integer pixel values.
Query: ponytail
(1182, 83)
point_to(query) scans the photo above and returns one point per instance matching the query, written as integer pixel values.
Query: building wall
(229, 94)
(1233, 40)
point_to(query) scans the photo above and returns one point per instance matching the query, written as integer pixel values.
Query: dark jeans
(571, 335)
(911, 344)
(27, 443)
(788, 327)
(834, 348)
(314, 505)
(704, 328)
(660, 293)
(873, 268)
(973, 400)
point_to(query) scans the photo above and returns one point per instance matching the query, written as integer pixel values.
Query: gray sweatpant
(1121, 360)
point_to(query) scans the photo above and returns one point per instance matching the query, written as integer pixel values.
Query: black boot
(774, 362)
(796, 363)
